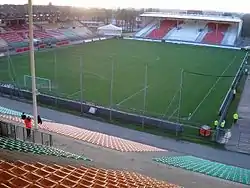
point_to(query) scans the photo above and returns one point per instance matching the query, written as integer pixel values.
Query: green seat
(207, 167)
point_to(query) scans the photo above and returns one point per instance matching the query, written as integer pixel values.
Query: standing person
(39, 120)
(234, 93)
(28, 126)
(23, 116)
(222, 125)
(216, 123)
(235, 117)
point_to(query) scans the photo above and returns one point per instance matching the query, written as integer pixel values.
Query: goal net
(41, 83)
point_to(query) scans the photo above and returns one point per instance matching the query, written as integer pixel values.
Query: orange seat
(68, 183)
(30, 168)
(2, 185)
(35, 186)
(49, 169)
(55, 178)
(41, 172)
(18, 171)
(86, 182)
(19, 182)
(6, 166)
(20, 163)
(39, 165)
(6, 176)
(47, 183)
(61, 173)
(32, 177)
(73, 178)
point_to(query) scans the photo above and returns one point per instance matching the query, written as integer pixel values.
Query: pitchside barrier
(18, 132)
(57, 45)
(182, 42)
(228, 98)
(91, 109)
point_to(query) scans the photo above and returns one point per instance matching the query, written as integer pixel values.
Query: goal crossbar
(40, 82)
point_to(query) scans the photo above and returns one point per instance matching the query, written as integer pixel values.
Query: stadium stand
(3, 44)
(21, 146)
(215, 36)
(70, 34)
(83, 32)
(96, 138)
(164, 27)
(147, 29)
(22, 174)
(230, 36)
(11, 37)
(56, 34)
(41, 35)
(14, 113)
(188, 31)
(207, 167)
(50, 26)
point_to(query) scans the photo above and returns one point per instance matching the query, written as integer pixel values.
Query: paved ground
(240, 140)
(222, 156)
(137, 162)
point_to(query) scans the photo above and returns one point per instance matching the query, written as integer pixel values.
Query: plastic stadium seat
(21, 146)
(54, 177)
(164, 28)
(207, 167)
(215, 37)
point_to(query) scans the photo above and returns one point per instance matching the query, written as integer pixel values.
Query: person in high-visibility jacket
(235, 117)
(216, 123)
(222, 125)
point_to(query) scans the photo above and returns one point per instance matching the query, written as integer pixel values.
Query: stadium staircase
(21, 146)
(213, 37)
(230, 36)
(3, 43)
(70, 34)
(164, 28)
(202, 35)
(56, 34)
(188, 31)
(147, 29)
(14, 113)
(13, 39)
(40, 175)
(209, 168)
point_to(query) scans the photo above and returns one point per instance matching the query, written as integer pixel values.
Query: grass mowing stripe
(211, 89)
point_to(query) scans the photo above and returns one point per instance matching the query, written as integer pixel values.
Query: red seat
(165, 27)
(213, 36)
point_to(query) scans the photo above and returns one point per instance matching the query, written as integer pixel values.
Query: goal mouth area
(41, 83)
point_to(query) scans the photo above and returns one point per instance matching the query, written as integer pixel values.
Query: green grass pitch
(201, 96)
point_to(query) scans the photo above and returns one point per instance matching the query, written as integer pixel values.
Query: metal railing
(18, 132)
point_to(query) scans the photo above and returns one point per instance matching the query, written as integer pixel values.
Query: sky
(218, 5)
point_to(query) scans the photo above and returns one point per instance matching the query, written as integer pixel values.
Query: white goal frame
(25, 77)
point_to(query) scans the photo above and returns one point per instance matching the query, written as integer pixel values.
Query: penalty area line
(131, 96)
(74, 93)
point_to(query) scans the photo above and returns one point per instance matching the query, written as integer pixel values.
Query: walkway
(197, 150)
(240, 140)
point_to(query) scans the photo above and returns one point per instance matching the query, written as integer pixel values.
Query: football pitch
(157, 79)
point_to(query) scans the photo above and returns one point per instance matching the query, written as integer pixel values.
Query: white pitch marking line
(129, 97)
(211, 89)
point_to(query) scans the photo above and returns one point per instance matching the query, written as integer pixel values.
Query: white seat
(188, 31)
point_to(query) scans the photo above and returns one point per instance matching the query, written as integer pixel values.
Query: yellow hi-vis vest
(216, 122)
(236, 116)
(223, 124)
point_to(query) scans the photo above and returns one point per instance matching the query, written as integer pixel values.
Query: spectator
(28, 126)
(23, 116)
(39, 120)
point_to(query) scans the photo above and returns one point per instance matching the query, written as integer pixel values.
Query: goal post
(41, 83)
